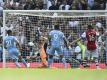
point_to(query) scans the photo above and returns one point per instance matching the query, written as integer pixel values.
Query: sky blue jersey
(57, 37)
(10, 42)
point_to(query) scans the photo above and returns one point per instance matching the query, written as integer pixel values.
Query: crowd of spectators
(53, 4)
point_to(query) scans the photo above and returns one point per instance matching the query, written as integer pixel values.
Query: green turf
(52, 74)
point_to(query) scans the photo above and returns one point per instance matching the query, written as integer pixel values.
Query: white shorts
(92, 54)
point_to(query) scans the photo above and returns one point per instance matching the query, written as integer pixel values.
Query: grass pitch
(52, 74)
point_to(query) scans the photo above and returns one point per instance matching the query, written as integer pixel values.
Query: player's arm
(78, 39)
(105, 33)
(17, 43)
(20, 49)
(4, 44)
(66, 42)
(49, 40)
(75, 41)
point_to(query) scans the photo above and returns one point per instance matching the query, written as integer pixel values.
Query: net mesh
(29, 26)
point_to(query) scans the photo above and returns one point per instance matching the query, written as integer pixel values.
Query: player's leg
(43, 57)
(50, 60)
(86, 60)
(1, 52)
(23, 60)
(50, 56)
(63, 60)
(29, 56)
(60, 52)
(18, 54)
(95, 58)
(26, 54)
(12, 55)
(15, 59)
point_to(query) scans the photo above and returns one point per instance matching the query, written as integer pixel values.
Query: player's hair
(9, 32)
(90, 26)
(56, 27)
(41, 38)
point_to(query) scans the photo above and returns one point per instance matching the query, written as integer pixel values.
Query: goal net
(28, 26)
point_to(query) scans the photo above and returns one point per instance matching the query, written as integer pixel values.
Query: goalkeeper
(82, 46)
(42, 51)
(83, 51)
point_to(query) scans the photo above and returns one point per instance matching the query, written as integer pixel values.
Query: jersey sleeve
(97, 33)
(63, 35)
(50, 33)
(16, 39)
(83, 35)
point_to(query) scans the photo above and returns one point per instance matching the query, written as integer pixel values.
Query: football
(31, 44)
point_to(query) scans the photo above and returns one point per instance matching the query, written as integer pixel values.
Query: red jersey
(91, 39)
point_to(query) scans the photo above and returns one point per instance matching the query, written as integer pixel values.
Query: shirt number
(8, 43)
(91, 37)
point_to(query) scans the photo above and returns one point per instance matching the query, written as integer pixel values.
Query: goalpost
(28, 25)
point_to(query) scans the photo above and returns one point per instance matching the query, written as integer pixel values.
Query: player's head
(90, 27)
(56, 27)
(9, 32)
(41, 39)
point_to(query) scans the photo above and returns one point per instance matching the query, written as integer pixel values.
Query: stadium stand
(54, 4)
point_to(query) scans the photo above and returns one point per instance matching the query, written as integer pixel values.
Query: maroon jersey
(91, 39)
